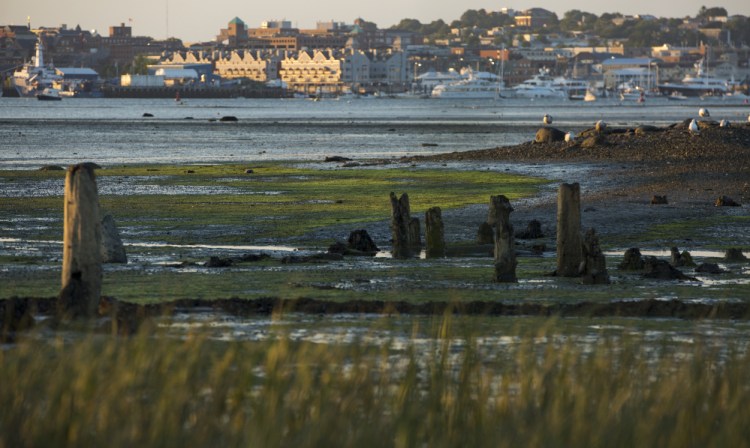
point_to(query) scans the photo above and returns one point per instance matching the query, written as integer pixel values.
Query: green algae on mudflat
(274, 201)
(719, 232)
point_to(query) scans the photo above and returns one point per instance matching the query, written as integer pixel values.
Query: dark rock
(661, 270)
(325, 256)
(337, 159)
(15, 316)
(217, 262)
(687, 259)
(252, 258)
(549, 135)
(338, 248)
(734, 255)
(632, 261)
(228, 118)
(189, 171)
(533, 231)
(726, 201)
(485, 234)
(351, 165)
(360, 240)
(710, 268)
(593, 141)
(51, 168)
(426, 145)
(645, 129)
(659, 200)
(249, 171)
(147, 115)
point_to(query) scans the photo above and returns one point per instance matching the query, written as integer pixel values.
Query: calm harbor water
(115, 131)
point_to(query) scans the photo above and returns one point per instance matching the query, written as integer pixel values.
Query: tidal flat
(173, 218)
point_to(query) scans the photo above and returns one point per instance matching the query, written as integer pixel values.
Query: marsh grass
(159, 390)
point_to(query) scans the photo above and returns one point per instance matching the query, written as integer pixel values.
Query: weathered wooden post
(569, 249)
(82, 262)
(400, 222)
(595, 264)
(434, 233)
(415, 235)
(505, 252)
(113, 251)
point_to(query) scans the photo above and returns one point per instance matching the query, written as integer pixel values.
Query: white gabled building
(257, 66)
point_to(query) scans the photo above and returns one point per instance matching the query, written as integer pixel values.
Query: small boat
(49, 94)
(589, 96)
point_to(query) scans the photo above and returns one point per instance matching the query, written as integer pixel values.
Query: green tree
(711, 12)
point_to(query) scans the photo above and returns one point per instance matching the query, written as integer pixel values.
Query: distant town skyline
(194, 20)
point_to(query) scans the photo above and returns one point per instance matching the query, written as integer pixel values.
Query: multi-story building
(255, 65)
(123, 47)
(313, 72)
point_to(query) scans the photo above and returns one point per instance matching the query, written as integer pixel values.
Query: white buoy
(570, 136)
(703, 112)
(724, 124)
(693, 127)
(547, 119)
(600, 126)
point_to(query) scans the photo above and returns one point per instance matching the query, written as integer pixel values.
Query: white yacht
(698, 85)
(540, 86)
(573, 88)
(472, 86)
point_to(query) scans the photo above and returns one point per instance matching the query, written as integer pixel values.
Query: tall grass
(158, 390)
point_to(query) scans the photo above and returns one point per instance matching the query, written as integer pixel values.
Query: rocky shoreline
(642, 159)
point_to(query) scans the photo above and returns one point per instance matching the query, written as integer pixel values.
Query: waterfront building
(255, 65)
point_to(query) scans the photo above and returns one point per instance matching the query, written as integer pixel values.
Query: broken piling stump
(595, 264)
(113, 251)
(505, 253)
(400, 226)
(82, 260)
(434, 233)
(569, 245)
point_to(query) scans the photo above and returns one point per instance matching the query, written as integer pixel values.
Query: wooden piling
(505, 252)
(595, 264)
(400, 224)
(434, 233)
(569, 244)
(82, 262)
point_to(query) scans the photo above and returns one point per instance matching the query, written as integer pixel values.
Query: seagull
(570, 136)
(547, 119)
(600, 126)
(703, 112)
(724, 124)
(693, 127)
